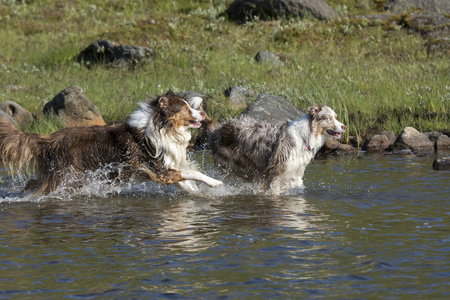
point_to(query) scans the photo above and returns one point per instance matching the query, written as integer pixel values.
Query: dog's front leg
(197, 176)
(188, 186)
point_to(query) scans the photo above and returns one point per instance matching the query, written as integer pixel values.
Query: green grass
(375, 79)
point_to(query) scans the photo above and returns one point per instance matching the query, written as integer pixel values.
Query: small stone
(238, 95)
(441, 163)
(265, 57)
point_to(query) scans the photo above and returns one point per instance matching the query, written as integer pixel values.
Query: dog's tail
(17, 148)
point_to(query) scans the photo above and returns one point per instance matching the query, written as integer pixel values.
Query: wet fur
(151, 144)
(273, 154)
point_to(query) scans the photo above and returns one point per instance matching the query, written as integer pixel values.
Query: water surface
(368, 227)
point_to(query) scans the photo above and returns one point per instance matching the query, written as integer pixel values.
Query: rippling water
(368, 227)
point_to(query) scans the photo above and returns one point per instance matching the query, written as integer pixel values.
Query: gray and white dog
(275, 155)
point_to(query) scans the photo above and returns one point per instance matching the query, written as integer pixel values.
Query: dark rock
(355, 141)
(265, 57)
(441, 163)
(74, 108)
(433, 136)
(379, 142)
(111, 53)
(411, 139)
(441, 142)
(272, 108)
(334, 148)
(274, 9)
(22, 117)
(429, 6)
(238, 95)
(344, 149)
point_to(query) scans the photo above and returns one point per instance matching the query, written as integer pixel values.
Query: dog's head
(323, 121)
(178, 112)
(168, 111)
(208, 125)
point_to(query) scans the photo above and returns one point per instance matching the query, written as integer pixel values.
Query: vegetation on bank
(375, 79)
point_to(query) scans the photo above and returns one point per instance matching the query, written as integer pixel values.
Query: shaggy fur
(274, 154)
(151, 143)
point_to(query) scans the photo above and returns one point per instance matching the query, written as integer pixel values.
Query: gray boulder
(411, 139)
(429, 6)
(274, 9)
(74, 108)
(238, 95)
(266, 57)
(441, 141)
(379, 142)
(390, 136)
(110, 53)
(22, 117)
(441, 163)
(270, 108)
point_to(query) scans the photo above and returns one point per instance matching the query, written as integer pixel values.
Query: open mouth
(336, 135)
(195, 124)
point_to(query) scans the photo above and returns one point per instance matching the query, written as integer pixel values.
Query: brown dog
(152, 142)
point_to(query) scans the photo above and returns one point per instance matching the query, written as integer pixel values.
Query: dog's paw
(188, 186)
(214, 183)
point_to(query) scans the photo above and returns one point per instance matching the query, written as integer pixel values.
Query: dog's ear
(163, 102)
(170, 94)
(314, 110)
(196, 103)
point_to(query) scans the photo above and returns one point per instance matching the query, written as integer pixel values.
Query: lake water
(363, 227)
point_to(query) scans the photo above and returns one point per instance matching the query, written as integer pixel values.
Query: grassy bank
(374, 79)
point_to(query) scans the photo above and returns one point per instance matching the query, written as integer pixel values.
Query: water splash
(100, 184)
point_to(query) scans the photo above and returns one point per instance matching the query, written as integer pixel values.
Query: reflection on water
(188, 225)
(369, 227)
